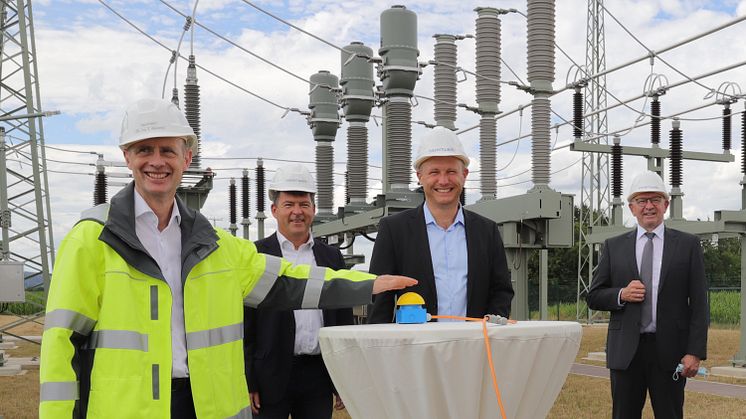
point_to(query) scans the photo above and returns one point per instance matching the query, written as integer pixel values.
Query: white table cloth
(440, 370)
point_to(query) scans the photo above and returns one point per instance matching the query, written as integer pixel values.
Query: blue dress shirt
(450, 263)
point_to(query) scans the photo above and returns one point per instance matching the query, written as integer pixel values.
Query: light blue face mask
(702, 371)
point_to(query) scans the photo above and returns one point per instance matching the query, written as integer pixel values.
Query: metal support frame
(594, 187)
(29, 215)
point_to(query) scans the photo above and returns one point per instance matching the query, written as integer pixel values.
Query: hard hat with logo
(153, 118)
(440, 142)
(647, 181)
(291, 178)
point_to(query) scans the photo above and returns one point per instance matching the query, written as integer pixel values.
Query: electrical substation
(378, 86)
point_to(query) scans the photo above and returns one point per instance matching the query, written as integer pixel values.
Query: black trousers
(309, 393)
(182, 404)
(645, 374)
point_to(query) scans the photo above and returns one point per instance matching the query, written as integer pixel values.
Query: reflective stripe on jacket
(106, 348)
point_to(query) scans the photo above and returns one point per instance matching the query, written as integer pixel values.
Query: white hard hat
(153, 118)
(440, 142)
(291, 178)
(647, 181)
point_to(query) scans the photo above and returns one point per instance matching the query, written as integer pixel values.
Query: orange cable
(489, 353)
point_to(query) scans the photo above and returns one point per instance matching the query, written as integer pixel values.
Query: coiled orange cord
(489, 353)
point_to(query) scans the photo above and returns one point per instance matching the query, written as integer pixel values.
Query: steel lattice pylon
(594, 189)
(26, 216)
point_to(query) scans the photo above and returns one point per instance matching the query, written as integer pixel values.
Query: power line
(196, 22)
(318, 38)
(208, 71)
(652, 53)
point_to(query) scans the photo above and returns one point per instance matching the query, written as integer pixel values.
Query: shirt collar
(658, 231)
(429, 219)
(284, 242)
(142, 208)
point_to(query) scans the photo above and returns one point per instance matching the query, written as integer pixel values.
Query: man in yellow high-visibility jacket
(145, 310)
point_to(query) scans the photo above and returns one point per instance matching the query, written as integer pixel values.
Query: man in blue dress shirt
(457, 255)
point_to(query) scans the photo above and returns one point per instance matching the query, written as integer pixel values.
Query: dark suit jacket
(270, 335)
(682, 311)
(402, 248)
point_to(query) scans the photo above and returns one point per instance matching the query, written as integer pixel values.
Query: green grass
(725, 307)
(725, 310)
(34, 304)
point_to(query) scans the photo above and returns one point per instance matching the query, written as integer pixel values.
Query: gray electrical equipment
(26, 214)
(357, 102)
(11, 282)
(324, 122)
(444, 79)
(594, 180)
(488, 95)
(398, 71)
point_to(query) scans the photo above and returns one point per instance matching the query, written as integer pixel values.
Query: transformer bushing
(399, 148)
(357, 102)
(488, 95)
(192, 108)
(676, 175)
(399, 71)
(444, 80)
(488, 59)
(260, 194)
(232, 207)
(324, 122)
(540, 66)
(245, 222)
(617, 217)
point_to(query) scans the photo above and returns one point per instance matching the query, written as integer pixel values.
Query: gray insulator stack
(541, 75)
(488, 95)
(324, 122)
(357, 162)
(399, 71)
(399, 150)
(444, 77)
(191, 108)
(488, 58)
(357, 101)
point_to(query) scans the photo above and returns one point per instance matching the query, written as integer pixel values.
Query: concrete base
(736, 372)
(25, 363)
(596, 356)
(11, 370)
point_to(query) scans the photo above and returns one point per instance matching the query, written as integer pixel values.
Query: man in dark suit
(457, 255)
(285, 372)
(652, 280)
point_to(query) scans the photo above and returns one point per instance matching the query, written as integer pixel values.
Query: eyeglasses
(641, 202)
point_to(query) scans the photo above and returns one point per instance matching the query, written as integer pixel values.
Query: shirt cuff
(619, 299)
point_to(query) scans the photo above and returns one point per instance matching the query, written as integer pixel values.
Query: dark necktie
(646, 275)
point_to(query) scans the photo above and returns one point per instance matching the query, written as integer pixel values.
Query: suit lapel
(472, 264)
(631, 252)
(418, 232)
(670, 242)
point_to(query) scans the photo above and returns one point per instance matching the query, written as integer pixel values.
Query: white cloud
(92, 67)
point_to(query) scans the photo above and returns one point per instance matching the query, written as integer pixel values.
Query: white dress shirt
(165, 248)
(307, 322)
(657, 260)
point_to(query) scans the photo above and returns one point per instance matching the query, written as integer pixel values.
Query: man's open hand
(392, 282)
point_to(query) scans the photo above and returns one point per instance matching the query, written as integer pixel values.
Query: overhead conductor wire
(208, 71)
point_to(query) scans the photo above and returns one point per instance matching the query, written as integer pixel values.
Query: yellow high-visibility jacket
(106, 348)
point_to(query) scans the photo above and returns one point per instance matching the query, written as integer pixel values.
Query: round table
(440, 370)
